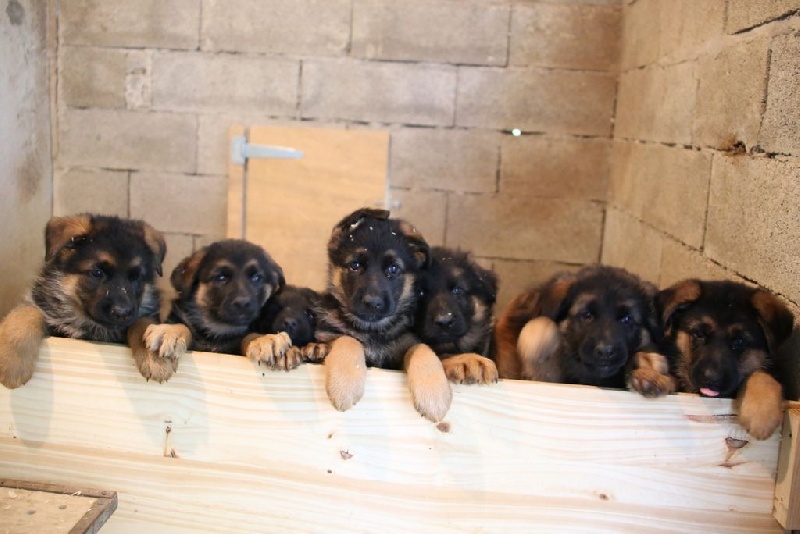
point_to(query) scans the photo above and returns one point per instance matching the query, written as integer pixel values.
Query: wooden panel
(236, 189)
(787, 488)
(225, 443)
(291, 205)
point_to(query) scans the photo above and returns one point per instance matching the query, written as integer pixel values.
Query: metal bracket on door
(241, 151)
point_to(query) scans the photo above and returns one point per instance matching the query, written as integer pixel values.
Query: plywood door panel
(291, 205)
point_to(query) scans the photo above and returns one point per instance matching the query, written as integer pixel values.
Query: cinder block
(679, 262)
(296, 27)
(730, 95)
(567, 36)
(687, 26)
(90, 190)
(632, 245)
(180, 203)
(555, 167)
(426, 210)
(515, 276)
(94, 77)
(667, 187)
(779, 131)
(640, 34)
(468, 32)
(453, 160)
(752, 220)
(657, 104)
(525, 228)
(127, 140)
(743, 14)
(145, 23)
(223, 82)
(179, 246)
(536, 100)
(380, 92)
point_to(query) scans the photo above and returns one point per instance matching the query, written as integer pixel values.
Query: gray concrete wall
(25, 156)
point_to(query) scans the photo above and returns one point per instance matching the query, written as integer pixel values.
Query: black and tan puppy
(596, 326)
(221, 289)
(719, 338)
(286, 324)
(455, 315)
(366, 315)
(97, 283)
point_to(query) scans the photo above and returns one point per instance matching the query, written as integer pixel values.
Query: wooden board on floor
(289, 206)
(227, 444)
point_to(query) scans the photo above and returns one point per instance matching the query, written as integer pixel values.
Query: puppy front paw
(345, 373)
(21, 334)
(15, 370)
(315, 352)
(269, 349)
(427, 381)
(761, 407)
(154, 367)
(167, 340)
(651, 383)
(470, 369)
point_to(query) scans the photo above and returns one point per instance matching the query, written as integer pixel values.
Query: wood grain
(226, 443)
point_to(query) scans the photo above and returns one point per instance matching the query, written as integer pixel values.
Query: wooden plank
(293, 204)
(787, 487)
(225, 443)
(39, 507)
(236, 189)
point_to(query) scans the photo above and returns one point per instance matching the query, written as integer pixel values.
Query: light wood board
(291, 205)
(228, 445)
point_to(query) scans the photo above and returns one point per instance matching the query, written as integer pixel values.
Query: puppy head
(105, 265)
(291, 310)
(374, 262)
(227, 282)
(605, 314)
(722, 332)
(457, 293)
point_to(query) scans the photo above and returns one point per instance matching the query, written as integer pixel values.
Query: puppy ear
(487, 279)
(156, 243)
(351, 222)
(419, 247)
(553, 301)
(63, 232)
(677, 297)
(774, 317)
(184, 275)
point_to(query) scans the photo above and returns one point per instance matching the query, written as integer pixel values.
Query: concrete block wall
(147, 90)
(705, 171)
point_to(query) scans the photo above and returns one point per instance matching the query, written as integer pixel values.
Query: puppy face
(291, 310)
(226, 284)
(374, 262)
(99, 274)
(604, 315)
(457, 295)
(719, 333)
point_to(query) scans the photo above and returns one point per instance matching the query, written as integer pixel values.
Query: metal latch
(241, 151)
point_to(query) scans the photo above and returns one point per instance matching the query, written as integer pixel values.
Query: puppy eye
(221, 278)
(354, 265)
(626, 319)
(257, 278)
(97, 273)
(311, 315)
(698, 334)
(457, 291)
(737, 344)
(392, 270)
(586, 315)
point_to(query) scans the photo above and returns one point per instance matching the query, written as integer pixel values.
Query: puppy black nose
(711, 375)
(121, 312)
(242, 304)
(444, 320)
(373, 302)
(604, 351)
(289, 324)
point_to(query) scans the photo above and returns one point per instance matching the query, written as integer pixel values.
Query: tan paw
(269, 349)
(167, 340)
(21, 334)
(345, 373)
(761, 407)
(427, 381)
(154, 367)
(651, 383)
(315, 352)
(15, 370)
(470, 369)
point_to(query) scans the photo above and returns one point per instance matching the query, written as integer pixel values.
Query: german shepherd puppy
(97, 283)
(221, 289)
(719, 338)
(366, 315)
(455, 315)
(597, 326)
(286, 324)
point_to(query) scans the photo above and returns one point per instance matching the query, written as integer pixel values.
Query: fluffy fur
(719, 338)
(595, 326)
(97, 283)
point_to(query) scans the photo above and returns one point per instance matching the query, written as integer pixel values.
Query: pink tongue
(709, 392)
